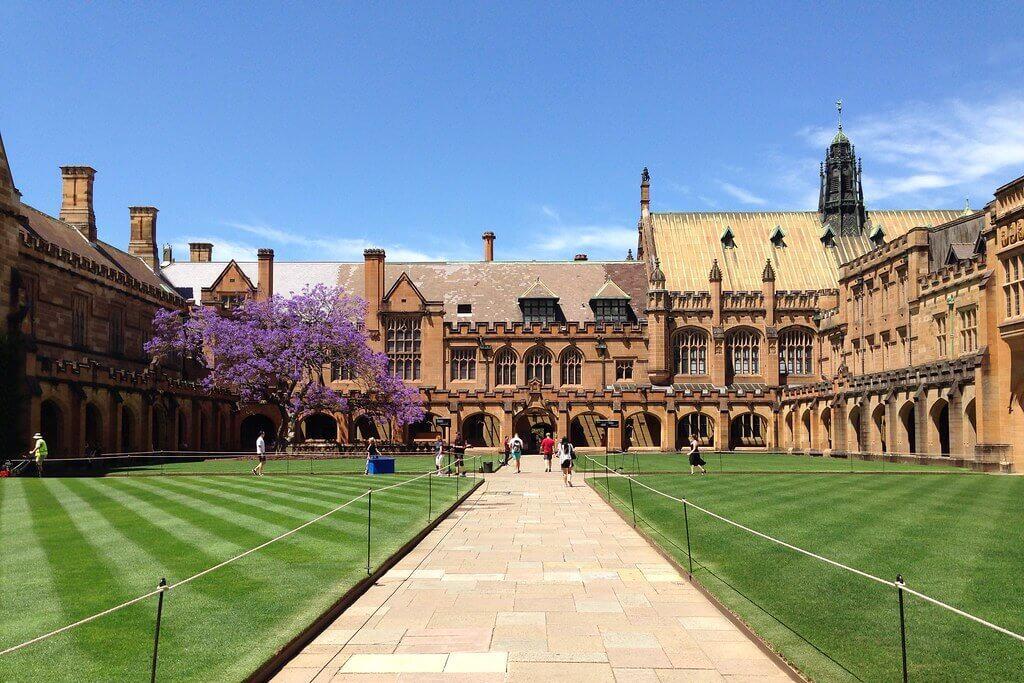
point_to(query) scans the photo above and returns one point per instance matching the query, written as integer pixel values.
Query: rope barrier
(885, 582)
(208, 570)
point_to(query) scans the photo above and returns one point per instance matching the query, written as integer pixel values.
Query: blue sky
(319, 130)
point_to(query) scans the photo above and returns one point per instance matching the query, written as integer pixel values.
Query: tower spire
(839, 110)
(841, 196)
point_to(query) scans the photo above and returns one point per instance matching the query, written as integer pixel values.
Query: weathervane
(839, 108)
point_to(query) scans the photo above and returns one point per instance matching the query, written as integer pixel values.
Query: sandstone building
(835, 331)
(77, 311)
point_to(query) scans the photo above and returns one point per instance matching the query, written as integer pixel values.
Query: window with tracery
(572, 367)
(463, 364)
(538, 366)
(505, 368)
(744, 353)
(968, 324)
(691, 352)
(1013, 290)
(402, 345)
(795, 348)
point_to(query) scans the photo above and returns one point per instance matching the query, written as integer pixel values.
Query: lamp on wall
(601, 347)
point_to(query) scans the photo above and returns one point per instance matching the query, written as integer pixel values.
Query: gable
(232, 280)
(404, 296)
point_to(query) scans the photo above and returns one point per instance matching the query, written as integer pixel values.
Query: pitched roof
(610, 290)
(538, 290)
(490, 287)
(687, 243)
(61, 234)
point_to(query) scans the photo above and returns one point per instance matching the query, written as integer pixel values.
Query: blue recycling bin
(382, 466)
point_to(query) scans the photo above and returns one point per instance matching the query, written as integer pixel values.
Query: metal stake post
(369, 526)
(156, 637)
(430, 496)
(903, 625)
(686, 520)
(607, 481)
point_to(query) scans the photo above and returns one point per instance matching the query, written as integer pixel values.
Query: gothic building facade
(77, 311)
(841, 330)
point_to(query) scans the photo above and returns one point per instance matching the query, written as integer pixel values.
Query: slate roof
(960, 235)
(687, 243)
(59, 233)
(492, 288)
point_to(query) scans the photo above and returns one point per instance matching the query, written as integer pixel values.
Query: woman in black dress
(695, 459)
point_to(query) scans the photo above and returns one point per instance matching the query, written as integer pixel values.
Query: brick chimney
(143, 238)
(373, 291)
(76, 199)
(265, 275)
(168, 253)
(645, 193)
(488, 246)
(200, 252)
(579, 257)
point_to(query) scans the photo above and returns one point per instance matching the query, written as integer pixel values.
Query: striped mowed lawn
(957, 538)
(76, 546)
(739, 461)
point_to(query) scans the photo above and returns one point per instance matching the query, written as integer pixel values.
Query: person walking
(508, 451)
(438, 454)
(566, 454)
(547, 449)
(516, 446)
(695, 459)
(261, 455)
(39, 452)
(459, 449)
(371, 453)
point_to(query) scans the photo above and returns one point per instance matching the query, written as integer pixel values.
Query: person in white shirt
(516, 444)
(438, 454)
(566, 453)
(261, 453)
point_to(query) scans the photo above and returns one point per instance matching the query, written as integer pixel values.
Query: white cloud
(606, 241)
(551, 213)
(341, 248)
(223, 250)
(739, 193)
(937, 151)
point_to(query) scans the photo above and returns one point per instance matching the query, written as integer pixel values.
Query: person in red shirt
(547, 449)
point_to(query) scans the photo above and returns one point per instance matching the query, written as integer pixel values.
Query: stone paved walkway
(532, 581)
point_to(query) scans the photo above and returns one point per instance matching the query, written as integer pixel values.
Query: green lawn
(75, 546)
(738, 462)
(956, 538)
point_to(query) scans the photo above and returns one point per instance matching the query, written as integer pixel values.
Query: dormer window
(610, 304)
(539, 304)
(877, 236)
(828, 238)
(728, 238)
(778, 237)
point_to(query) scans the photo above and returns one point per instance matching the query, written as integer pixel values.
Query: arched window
(464, 363)
(505, 368)
(538, 366)
(691, 352)
(572, 367)
(744, 353)
(795, 347)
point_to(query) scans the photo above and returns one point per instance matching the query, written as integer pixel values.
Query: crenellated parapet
(517, 328)
(953, 275)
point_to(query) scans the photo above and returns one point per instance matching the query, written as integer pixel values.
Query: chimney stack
(143, 237)
(579, 257)
(76, 199)
(373, 274)
(168, 253)
(265, 275)
(200, 252)
(488, 246)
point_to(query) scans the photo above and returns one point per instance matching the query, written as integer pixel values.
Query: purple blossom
(277, 351)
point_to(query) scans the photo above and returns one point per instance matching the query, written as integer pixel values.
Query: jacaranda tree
(277, 351)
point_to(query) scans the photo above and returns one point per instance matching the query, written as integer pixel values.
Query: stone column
(668, 429)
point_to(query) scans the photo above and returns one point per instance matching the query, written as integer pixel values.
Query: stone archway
(855, 439)
(482, 430)
(695, 423)
(250, 430)
(908, 427)
(128, 429)
(939, 415)
(94, 428)
(532, 425)
(748, 430)
(878, 428)
(51, 426)
(319, 427)
(364, 428)
(806, 421)
(970, 428)
(642, 430)
(584, 432)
